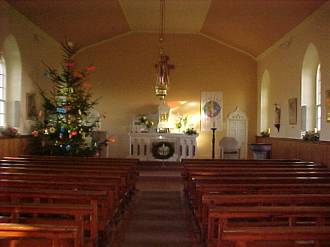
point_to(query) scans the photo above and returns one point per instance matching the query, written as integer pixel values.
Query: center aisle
(159, 216)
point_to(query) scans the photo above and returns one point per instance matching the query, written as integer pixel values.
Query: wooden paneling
(13, 146)
(286, 148)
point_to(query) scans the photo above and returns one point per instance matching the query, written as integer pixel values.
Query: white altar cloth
(162, 146)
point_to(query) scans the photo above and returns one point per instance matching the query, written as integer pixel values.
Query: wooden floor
(158, 215)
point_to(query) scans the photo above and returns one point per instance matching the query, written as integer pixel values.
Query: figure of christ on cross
(163, 71)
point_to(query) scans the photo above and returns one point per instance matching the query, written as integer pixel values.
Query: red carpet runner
(158, 215)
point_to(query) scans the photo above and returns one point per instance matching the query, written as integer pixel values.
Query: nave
(101, 202)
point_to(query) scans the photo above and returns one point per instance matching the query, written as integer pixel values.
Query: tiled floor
(158, 215)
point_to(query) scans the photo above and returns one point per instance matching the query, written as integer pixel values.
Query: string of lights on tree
(67, 126)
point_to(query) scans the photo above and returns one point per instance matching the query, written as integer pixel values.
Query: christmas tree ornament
(60, 110)
(64, 107)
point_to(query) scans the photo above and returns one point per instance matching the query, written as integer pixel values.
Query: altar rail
(287, 148)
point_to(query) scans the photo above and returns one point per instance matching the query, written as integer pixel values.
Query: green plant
(311, 136)
(264, 133)
(143, 119)
(190, 131)
(9, 131)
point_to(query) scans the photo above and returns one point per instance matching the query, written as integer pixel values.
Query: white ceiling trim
(104, 41)
(184, 16)
(229, 46)
(201, 34)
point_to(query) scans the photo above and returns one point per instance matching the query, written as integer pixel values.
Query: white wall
(23, 42)
(125, 77)
(284, 63)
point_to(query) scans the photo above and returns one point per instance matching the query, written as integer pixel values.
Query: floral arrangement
(181, 122)
(145, 121)
(9, 131)
(311, 136)
(264, 133)
(190, 131)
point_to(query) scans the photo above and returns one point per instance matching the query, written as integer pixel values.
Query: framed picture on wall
(292, 103)
(211, 110)
(327, 105)
(31, 106)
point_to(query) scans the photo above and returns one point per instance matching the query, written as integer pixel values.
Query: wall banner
(211, 110)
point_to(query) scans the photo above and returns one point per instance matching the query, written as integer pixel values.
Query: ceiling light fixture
(162, 67)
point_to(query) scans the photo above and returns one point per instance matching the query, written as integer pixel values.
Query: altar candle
(213, 124)
(315, 130)
(268, 130)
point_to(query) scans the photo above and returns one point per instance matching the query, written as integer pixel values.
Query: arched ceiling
(249, 25)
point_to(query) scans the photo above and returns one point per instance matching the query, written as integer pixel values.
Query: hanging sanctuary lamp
(163, 77)
(162, 67)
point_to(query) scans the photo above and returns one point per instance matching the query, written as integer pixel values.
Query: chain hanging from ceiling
(162, 67)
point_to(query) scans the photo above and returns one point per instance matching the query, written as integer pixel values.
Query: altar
(162, 146)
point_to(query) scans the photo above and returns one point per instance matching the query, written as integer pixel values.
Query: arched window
(12, 56)
(309, 88)
(318, 98)
(2, 92)
(264, 101)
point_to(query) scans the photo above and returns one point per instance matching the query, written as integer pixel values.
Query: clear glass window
(2, 91)
(318, 98)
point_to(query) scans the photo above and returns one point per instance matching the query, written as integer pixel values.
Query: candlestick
(213, 141)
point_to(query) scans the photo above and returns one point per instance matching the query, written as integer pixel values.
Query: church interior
(208, 123)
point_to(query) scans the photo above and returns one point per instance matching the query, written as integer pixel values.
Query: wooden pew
(128, 173)
(260, 173)
(250, 168)
(78, 178)
(112, 201)
(195, 169)
(80, 161)
(210, 176)
(96, 201)
(210, 200)
(298, 164)
(45, 157)
(198, 161)
(78, 212)
(252, 183)
(56, 234)
(244, 235)
(222, 217)
(124, 171)
(191, 185)
(57, 175)
(201, 189)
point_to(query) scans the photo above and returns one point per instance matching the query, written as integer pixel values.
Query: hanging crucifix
(163, 75)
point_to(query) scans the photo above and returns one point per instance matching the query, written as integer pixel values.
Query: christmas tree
(66, 128)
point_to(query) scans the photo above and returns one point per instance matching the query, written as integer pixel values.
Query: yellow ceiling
(249, 25)
(182, 16)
